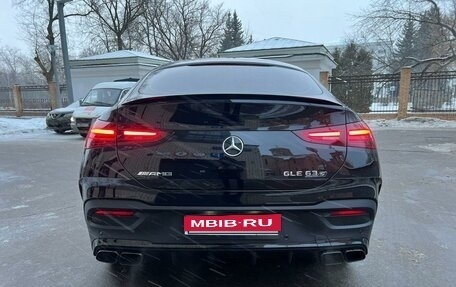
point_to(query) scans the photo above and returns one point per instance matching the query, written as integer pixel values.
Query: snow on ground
(412, 123)
(22, 125)
(443, 148)
(393, 107)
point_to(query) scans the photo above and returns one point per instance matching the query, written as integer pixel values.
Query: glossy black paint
(193, 152)
(205, 180)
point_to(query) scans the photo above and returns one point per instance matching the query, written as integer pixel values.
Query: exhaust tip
(107, 256)
(130, 258)
(355, 255)
(332, 257)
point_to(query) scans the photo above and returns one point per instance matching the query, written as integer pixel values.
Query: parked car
(59, 119)
(229, 154)
(99, 100)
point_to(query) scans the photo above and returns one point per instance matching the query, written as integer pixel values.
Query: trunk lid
(228, 143)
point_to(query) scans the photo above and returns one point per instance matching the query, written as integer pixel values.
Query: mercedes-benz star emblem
(233, 146)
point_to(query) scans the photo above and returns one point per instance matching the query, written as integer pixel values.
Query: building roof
(114, 85)
(273, 43)
(123, 54)
(232, 62)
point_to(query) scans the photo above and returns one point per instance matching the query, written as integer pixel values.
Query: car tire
(83, 135)
(59, 131)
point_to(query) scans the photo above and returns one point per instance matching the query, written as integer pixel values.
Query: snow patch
(412, 122)
(23, 125)
(9, 177)
(444, 148)
(19, 206)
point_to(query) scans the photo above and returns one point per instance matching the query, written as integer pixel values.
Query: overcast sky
(320, 21)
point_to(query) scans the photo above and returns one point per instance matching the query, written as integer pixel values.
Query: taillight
(360, 135)
(105, 134)
(352, 135)
(133, 133)
(334, 135)
(101, 134)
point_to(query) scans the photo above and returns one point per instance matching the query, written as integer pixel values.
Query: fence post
(324, 79)
(404, 92)
(18, 104)
(53, 94)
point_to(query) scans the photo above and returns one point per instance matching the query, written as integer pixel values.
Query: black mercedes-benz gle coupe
(229, 154)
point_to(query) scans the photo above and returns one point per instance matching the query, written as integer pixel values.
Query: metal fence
(429, 92)
(368, 93)
(433, 92)
(6, 99)
(34, 98)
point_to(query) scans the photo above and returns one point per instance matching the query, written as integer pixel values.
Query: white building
(312, 57)
(88, 71)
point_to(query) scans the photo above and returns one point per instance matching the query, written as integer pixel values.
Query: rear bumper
(159, 228)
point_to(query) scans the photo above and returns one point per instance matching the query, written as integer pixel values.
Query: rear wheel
(59, 131)
(83, 135)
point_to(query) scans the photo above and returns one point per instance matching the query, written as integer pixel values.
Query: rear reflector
(114, 213)
(348, 212)
(352, 135)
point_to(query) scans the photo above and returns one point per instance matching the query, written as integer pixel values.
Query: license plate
(83, 125)
(242, 224)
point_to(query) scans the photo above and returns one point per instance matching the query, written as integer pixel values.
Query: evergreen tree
(353, 61)
(227, 35)
(405, 47)
(233, 33)
(237, 31)
(430, 43)
(429, 36)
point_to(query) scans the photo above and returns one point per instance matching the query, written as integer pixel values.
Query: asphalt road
(44, 241)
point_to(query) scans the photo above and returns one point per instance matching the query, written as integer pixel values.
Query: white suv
(99, 99)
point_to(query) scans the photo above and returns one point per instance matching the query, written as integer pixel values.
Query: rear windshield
(226, 79)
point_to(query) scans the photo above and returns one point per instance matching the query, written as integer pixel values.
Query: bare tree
(38, 19)
(182, 29)
(110, 22)
(10, 65)
(384, 19)
(17, 68)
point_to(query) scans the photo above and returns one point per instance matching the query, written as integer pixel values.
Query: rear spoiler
(238, 98)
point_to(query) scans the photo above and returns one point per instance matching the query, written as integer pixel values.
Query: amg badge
(155, 173)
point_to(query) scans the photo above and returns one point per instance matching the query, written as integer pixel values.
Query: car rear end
(82, 118)
(242, 155)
